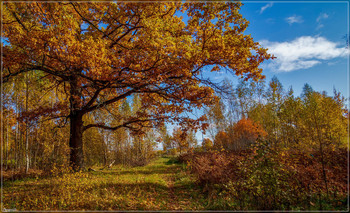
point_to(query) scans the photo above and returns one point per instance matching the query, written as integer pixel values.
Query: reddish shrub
(213, 167)
(309, 172)
(221, 167)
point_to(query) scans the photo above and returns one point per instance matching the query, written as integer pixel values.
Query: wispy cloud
(220, 77)
(270, 21)
(319, 20)
(322, 16)
(294, 19)
(263, 8)
(302, 53)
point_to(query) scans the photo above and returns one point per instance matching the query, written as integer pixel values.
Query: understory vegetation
(266, 178)
(214, 180)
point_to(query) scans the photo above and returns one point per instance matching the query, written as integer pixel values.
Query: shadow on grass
(162, 168)
(140, 172)
(93, 194)
(172, 161)
(97, 193)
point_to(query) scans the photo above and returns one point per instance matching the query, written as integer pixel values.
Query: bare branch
(126, 124)
(19, 21)
(110, 101)
(96, 27)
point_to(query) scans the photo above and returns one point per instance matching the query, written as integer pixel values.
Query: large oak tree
(102, 53)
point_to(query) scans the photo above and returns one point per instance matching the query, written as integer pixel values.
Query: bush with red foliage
(215, 166)
(272, 178)
(221, 166)
(239, 136)
(309, 172)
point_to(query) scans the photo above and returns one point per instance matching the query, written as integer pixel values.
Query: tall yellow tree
(180, 139)
(104, 52)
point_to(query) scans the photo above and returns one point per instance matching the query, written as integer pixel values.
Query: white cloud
(319, 26)
(262, 9)
(220, 77)
(319, 19)
(270, 21)
(302, 53)
(322, 16)
(294, 19)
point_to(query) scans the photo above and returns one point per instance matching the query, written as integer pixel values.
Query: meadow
(197, 181)
(161, 185)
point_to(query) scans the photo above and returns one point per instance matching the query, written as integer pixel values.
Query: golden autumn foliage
(207, 144)
(183, 140)
(221, 140)
(102, 53)
(246, 131)
(239, 136)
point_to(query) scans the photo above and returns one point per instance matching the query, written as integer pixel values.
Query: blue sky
(308, 39)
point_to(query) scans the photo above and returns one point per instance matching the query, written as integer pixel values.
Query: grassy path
(161, 185)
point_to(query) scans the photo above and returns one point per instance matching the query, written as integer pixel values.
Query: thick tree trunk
(76, 126)
(76, 141)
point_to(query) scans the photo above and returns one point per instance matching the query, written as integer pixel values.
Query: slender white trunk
(7, 145)
(16, 149)
(27, 126)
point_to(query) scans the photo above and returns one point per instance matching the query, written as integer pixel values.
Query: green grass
(164, 184)
(161, 185)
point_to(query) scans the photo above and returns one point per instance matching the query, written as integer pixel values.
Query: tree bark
(76, 126)
(76, 141)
